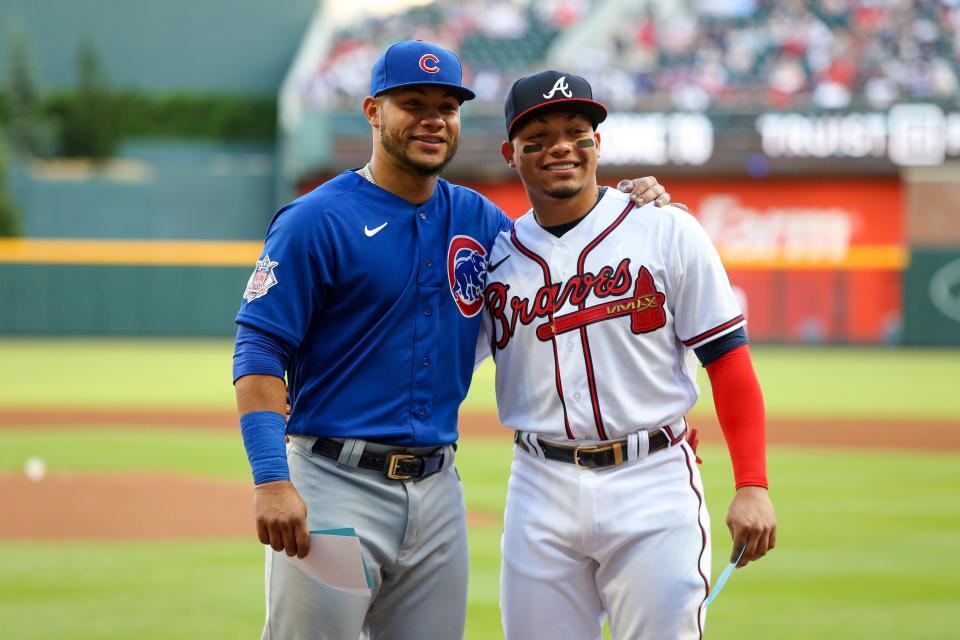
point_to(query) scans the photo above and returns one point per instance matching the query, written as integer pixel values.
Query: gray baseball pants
(414, 540)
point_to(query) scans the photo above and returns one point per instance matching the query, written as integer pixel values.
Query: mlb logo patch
(262, 278)
(467, 274)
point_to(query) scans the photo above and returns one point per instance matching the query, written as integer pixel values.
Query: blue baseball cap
(416, 62)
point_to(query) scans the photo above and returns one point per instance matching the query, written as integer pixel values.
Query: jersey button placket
(429, 301)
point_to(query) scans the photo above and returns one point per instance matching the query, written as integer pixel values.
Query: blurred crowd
(498, 40)
(721, 55)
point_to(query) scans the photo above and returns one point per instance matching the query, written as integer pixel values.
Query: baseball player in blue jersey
(367, 300)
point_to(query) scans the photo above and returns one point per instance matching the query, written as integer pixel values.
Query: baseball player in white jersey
(596, 313)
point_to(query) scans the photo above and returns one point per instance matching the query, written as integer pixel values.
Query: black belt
(396, 465)
(594, 456)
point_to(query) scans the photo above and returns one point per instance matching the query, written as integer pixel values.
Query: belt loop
(529, 442)
(351, 452)
(633, 446)
(643, 443)
(449, 452)
(533, 440)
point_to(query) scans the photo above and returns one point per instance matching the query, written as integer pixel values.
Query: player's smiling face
(555, 153)
(420, 127)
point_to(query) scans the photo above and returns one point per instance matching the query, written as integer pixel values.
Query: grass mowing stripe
(131, 590)
(826, 382)
(168, 373)
(111, 372)
(209, 453)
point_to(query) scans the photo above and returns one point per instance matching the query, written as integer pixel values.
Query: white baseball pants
(631, 542)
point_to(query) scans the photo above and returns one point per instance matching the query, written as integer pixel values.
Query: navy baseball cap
(416, 62)
(551, 91)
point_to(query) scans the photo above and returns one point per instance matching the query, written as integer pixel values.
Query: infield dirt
(99, 506)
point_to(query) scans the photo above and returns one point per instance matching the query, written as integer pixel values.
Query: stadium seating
(717, 55)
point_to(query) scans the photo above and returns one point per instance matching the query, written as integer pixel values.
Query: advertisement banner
(855, 224)
(812, 260)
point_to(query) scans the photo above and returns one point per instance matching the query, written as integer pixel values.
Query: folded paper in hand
(335, 559)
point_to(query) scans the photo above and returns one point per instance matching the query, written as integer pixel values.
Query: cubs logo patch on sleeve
(262, 278)
(467, 274)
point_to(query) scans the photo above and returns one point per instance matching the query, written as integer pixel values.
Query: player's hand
(644, 190)
(281, 517)
(752, 523)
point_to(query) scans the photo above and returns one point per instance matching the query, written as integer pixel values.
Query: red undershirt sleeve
(739, 404)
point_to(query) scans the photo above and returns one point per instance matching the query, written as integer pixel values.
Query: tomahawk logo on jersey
(624, 285)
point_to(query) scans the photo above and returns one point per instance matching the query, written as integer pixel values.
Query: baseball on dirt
(35, 468)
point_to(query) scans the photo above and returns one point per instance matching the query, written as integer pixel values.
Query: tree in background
(88, 127)
(29, 132)
(9, 220)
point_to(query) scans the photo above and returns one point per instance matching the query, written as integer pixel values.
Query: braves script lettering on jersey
(613, 309)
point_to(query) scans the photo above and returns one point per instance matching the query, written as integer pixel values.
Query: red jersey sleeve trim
(712, 332)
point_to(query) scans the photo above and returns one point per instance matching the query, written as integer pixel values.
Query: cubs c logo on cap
(430, 63)
(467, 274)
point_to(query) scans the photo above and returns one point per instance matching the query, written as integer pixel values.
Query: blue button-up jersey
(379, 301)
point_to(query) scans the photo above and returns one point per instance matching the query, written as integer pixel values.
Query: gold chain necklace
(366, 173)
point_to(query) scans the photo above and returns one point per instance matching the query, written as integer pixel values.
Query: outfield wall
(931, 300)
(826, 261)
(120, 300)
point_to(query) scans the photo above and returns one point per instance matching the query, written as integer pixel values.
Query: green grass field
(868, 544)
(819, 382)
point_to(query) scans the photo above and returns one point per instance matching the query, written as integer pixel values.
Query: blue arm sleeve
(257, 352)
(263, 433)
(716, 348)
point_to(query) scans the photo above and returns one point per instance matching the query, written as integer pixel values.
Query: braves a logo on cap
(430, 63)
(467, 273)
(261, 279)
(561, 86)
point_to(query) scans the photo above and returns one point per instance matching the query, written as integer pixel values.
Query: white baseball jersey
(593, 332)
